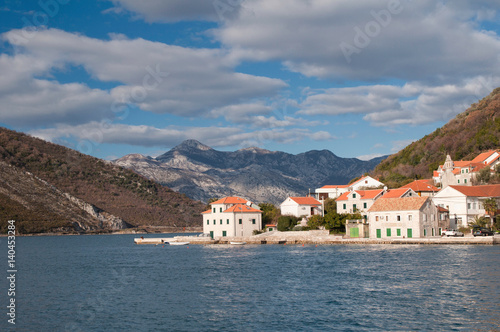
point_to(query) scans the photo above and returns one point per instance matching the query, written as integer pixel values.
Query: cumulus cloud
(154, 76)
(367, 40)
(410, 104)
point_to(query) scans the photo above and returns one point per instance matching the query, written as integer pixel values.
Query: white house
(334, 191)
(231, 216)
(301, 206)
(466, 202)
(404, 217)
(357, 200)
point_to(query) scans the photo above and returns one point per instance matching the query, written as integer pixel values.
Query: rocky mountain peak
(192, 144)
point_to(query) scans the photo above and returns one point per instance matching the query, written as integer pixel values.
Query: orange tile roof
(490, 190)
(483, 156)
(335, 186)
(422, 185)
(305, 200)
(435, 174)
(230, 200)
(398, 204)
(207, 211)
(395, 193)
(343, 197)
(242, 208)
(369, 194)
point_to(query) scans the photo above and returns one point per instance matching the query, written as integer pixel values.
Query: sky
(360, 78)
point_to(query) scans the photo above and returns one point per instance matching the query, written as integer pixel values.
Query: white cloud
(410, 104)
(415, 40)
(154, 76)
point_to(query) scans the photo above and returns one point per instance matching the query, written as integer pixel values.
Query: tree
(479, 222)
(484, 175)
(285, 223)
(270, 213)
(315, 222)
(491, 207)
(330, 206)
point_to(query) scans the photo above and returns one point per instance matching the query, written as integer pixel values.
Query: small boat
(174, 243)
(237, 243)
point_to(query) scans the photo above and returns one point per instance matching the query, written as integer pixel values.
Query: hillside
(259, 175)
(109, 189)
(464, 137)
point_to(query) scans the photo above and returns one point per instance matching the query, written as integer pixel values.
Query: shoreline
(323, 238)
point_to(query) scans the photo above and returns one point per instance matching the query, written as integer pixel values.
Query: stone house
(409, 217)
(232, 216)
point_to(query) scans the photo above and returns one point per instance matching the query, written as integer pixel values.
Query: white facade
(409, 217)
(358, 201)
(465, 203)
(334, 191)
(231, 216)
(301, 206)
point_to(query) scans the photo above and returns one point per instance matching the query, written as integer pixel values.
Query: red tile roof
(491, 190)
(230, 200)
(305, 200)
(242, 208)
(343, 197)
(483, 156)
(395, 193)
(336, 186)
(422, 185)
(398, 204)
(207, 211)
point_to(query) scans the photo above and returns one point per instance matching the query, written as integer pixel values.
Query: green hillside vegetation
(474, 131)
(123, 193)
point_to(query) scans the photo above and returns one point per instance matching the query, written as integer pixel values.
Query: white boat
(174, 243)
(238, 243)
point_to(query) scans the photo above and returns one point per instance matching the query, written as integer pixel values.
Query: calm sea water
(107, 283)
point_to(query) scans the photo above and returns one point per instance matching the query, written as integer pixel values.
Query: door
(212, 234)
(379, 233)
(224, 233)
(354, 232)
(409, 232)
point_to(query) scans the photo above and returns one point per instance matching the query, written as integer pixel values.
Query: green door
(409, 232)
(212, 234)
(224, 233)
(379, 233)
(354, 232)
(388, 232)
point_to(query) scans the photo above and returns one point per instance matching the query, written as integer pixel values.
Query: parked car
(482, 231)
(452, 232)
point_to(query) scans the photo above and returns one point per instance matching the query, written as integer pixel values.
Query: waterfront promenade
(321, 237)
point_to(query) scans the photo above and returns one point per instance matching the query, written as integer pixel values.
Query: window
(227, 221)
(386, 218)
(388, 231)
(425, 232)
(354, 208)
(345, 206)
(398, 231)
(468, 205)
(353, 195)
(221, 221)
(240, 221)
(214, 221)
(465, 180)
(224, 233)
(376, 218)
(432, 231)
(365, 205)
(398, 218)
(458, 180)
(208, 222)
(424, 217)
(410, 217)
(220, 209)
(214, 210)
(253, 221)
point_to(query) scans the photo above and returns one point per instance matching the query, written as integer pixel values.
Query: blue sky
(360, 78)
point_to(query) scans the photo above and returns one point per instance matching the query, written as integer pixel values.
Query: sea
(108, 283)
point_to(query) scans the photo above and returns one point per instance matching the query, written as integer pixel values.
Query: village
(452, 203)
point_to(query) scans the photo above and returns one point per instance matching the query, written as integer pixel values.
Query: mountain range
(259, 175)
